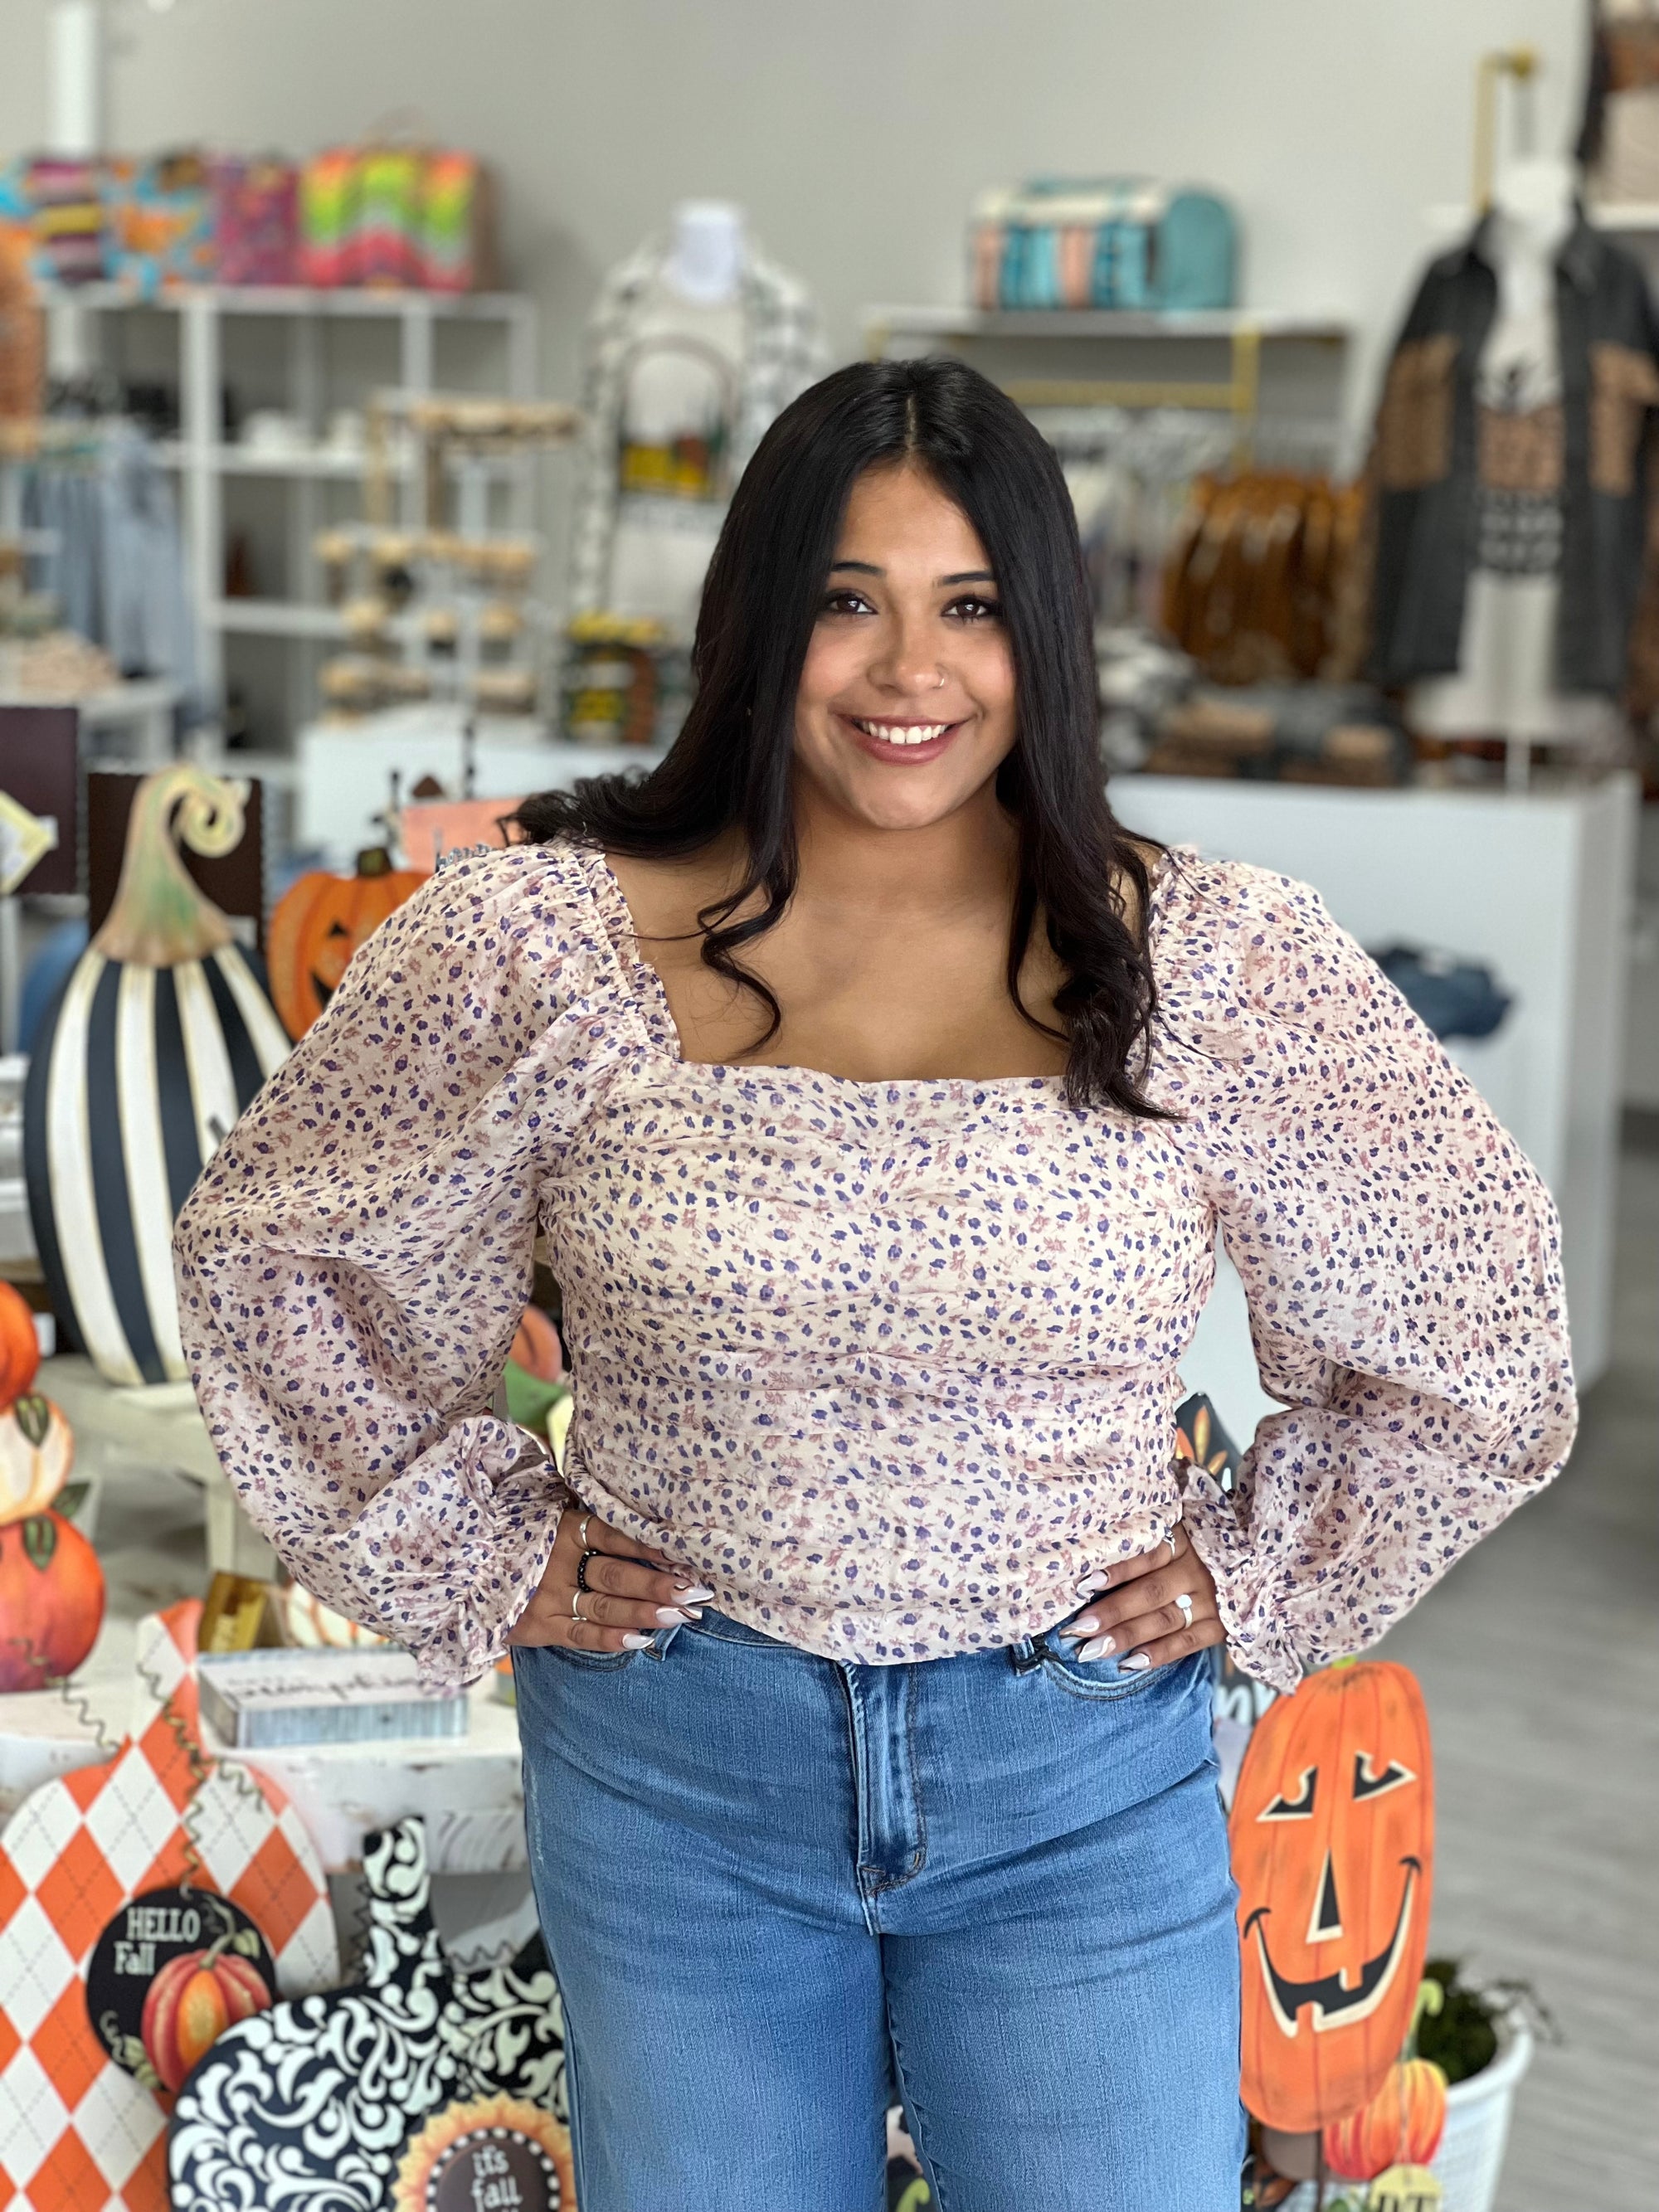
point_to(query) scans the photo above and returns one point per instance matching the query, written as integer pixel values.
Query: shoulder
(526, 912)
(1236, 948)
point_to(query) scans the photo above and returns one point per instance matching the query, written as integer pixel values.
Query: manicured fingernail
(1093, 1585)
(671, 1615)
(1136, 1663)
(638, 1643)
(1085, 1624)
(692, 1593)
(1098, 1648)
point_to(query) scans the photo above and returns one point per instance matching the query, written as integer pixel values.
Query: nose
(906, 660)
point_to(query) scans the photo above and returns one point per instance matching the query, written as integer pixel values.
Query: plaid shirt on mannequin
(783, 353)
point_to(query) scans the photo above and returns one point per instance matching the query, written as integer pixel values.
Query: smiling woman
(880, 1106)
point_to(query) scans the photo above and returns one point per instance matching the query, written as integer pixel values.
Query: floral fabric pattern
(889, 1365)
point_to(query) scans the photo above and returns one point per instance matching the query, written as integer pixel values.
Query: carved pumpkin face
(1332, 1839)
(319, 923)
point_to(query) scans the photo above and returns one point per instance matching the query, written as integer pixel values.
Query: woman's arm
(1401, 1261)
(352, 1265)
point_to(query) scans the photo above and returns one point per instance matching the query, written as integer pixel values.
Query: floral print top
(889, 1365)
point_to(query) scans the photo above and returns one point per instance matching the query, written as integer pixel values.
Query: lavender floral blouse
(890, 1366)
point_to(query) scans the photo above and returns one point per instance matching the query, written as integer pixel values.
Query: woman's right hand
(627, 1593)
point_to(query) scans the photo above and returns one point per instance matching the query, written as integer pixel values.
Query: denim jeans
(777, 1889)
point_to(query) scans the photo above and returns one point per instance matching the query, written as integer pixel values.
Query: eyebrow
(963, 575)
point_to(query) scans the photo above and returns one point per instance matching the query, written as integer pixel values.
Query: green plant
(1462, 2038)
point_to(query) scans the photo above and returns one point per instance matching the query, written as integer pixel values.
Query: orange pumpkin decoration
(37, 1451)
(319, 922)
(20, 1348)
(52, 1600)
(192, 2001)
(1401, 2125)
(1332, 1842)
(536, 1349)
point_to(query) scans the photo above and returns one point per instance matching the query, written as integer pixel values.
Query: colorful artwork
(161, 1035)
(324, 2105)
(76, 2128)
(1333, 1844)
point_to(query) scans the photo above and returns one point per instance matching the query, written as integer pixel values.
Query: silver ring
(581, 1531)
(1184, 1604)
(576, 1615)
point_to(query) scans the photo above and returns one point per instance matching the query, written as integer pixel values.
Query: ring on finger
(582, 1582)
(576, 1613)
(1184, 1606)
(581, 1531)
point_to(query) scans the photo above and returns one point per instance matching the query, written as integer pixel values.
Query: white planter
(1471, 2154)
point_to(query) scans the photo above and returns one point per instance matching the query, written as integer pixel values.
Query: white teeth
(904, 734)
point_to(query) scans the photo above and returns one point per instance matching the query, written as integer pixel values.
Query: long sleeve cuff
(1246, 1597)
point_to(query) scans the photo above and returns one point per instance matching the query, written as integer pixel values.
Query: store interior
(372, 383)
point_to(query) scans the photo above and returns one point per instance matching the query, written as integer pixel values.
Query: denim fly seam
(892, 1825)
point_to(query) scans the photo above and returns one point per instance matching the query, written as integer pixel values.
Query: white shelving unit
(204, 461)
(1246, 332)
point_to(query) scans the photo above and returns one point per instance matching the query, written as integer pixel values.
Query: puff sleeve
(1401, 1262)
(352, 1266)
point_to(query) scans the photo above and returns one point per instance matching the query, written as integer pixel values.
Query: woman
(879, 1099)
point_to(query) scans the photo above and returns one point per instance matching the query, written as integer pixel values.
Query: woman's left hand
(1142, 1616)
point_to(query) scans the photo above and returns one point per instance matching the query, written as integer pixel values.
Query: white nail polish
(1093, 1585)
(672, 1616)
(1086, 1624)
(692, 1593)
(1136, 1663)
(1100, 1648)
(632, 1642)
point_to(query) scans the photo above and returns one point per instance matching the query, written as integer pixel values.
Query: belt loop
(1027, 1654)
(658, 1647)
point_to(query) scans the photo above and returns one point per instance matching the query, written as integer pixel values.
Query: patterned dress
(890, 1366)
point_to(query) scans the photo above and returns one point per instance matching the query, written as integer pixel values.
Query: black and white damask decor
(309, 2105)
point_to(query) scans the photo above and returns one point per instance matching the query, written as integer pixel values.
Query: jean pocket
(1104, 1678)
(564, 1654)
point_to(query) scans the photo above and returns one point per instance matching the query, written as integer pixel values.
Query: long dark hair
(731, 767)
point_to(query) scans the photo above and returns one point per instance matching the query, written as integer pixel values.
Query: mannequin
(1505, 682)
(696, 344)
(707, 252)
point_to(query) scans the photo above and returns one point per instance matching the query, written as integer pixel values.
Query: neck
(964, 862)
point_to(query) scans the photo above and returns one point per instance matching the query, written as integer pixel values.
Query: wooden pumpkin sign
(162, 1034)
(1333, 1842)
(20, 1347)
(52, 1599)
(1401, 2125)
(319, 923)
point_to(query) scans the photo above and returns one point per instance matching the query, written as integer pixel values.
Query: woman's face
(906, 704)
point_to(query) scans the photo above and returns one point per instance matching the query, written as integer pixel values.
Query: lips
(901, 743)
(1333, 2003)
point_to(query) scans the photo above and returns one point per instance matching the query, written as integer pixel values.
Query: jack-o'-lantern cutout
(319, 922)
(1333, 1841)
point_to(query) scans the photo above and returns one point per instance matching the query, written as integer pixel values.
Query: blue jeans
(776, 1888)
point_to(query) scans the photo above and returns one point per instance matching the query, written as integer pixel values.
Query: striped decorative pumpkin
(162, 1034)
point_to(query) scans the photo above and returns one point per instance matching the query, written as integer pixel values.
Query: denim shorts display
(783, 1893)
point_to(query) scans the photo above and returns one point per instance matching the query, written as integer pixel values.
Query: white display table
(1541, 886)
(344, 770)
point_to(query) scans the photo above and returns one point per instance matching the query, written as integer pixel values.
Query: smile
(1333, 2004)
(913, 741)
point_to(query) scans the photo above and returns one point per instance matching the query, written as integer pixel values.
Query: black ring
(582, 1582)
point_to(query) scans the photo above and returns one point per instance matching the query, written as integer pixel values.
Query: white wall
(857, 131)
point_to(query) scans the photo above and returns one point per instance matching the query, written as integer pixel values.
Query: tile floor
(1539, 1657)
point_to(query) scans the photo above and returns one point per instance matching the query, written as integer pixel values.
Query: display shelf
(964, 322)
(204, 461)
(1243, 331)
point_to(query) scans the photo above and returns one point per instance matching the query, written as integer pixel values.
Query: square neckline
(649, 995)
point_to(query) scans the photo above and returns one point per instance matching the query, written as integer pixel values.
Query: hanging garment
(117, 572)
(1430, 513)
(678, 395)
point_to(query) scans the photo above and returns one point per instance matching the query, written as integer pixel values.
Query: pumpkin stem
(374, 861)
(1430, 1999)
(160, 916)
